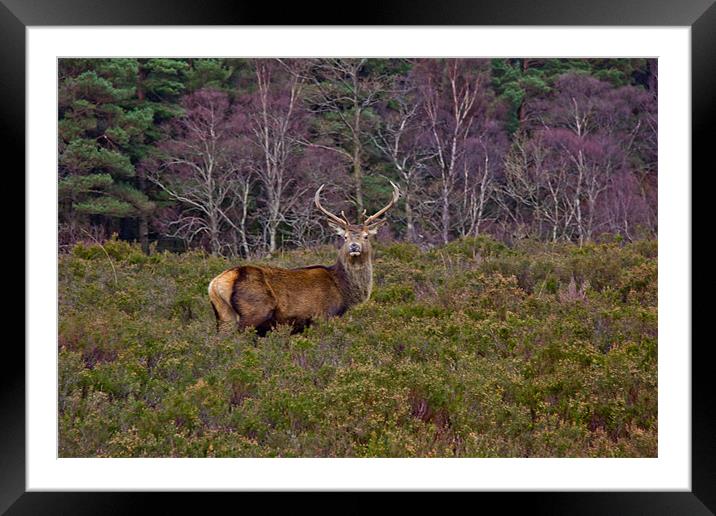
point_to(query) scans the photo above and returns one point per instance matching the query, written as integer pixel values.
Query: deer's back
(294, 295)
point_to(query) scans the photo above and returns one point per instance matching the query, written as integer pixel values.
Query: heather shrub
(473, 349)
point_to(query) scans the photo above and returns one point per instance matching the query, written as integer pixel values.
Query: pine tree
(208, 73)
(110, 111)
(98, 128)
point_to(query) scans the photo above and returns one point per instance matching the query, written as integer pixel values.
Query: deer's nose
(354, 248)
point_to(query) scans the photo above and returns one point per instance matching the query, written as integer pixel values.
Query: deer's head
(357, 237)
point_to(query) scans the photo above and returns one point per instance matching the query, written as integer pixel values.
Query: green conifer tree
(100, 127)
(517, 80)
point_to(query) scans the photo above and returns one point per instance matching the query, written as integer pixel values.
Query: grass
(473, 349)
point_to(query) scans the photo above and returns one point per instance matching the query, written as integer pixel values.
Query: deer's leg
(253, 316)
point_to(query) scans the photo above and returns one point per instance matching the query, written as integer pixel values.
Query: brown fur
(262, 297)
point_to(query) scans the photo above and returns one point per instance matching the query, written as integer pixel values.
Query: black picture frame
(700, 15)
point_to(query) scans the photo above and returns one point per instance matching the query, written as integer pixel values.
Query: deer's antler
(334, 218)
(372, 220)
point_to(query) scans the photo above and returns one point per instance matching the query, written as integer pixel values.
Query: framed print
(185, 172)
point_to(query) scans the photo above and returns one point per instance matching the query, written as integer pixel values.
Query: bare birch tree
(274, 132)
(399, 142)
(199, 168)
(450, 96)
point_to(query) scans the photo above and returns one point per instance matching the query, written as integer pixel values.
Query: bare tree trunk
(272, 237)
(483, 197)
(214, 237)
(357, 171)
(445, 219)
(555, 222)
(244, 213)
(578, 204)
(358, 180)
(410, 224)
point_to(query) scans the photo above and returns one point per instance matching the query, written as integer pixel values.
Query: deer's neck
(355, 277)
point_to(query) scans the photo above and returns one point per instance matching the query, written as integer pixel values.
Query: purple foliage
(583, 163)
(599, 143)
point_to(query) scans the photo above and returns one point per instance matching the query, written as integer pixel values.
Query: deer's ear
(338, 229)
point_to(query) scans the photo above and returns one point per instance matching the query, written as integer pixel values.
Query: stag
(261, 297)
